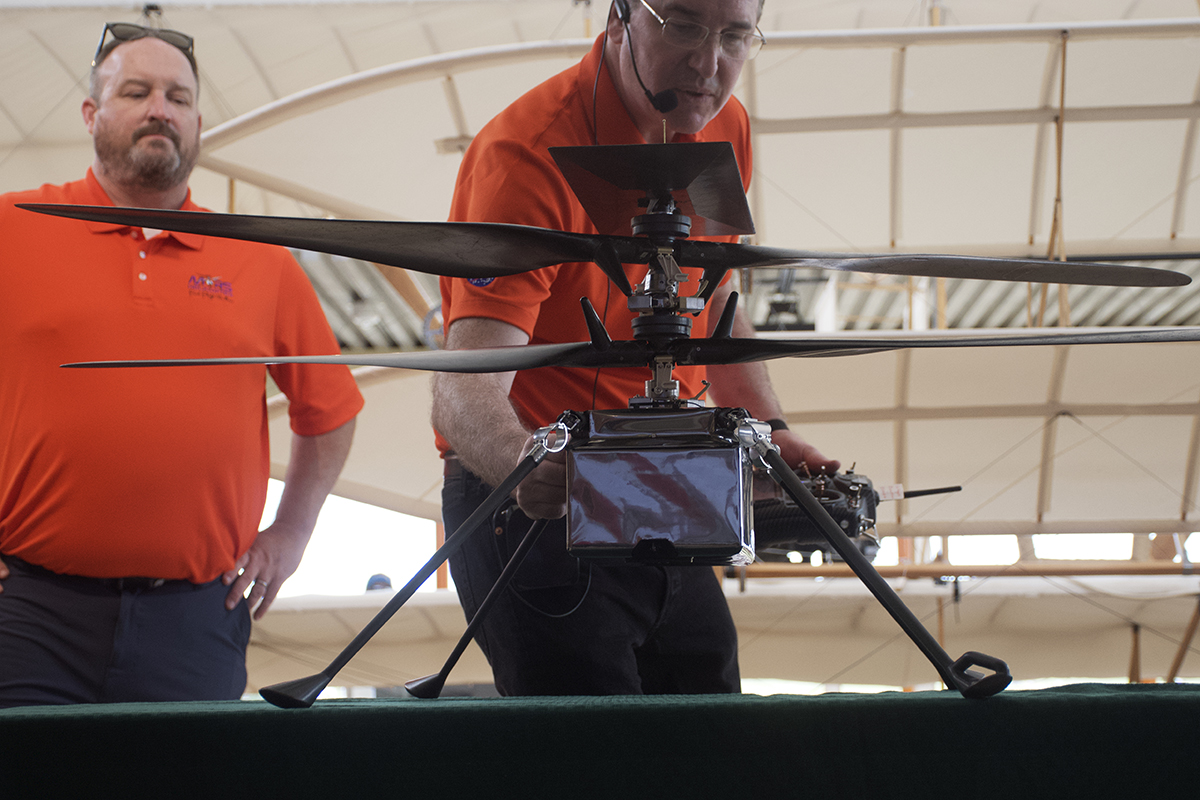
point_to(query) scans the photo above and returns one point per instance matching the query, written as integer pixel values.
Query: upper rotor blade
(487, 250)
(719, 254)
(453, 249)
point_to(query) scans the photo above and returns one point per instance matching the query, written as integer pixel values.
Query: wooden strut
(1135, 654)
(1056, 249)
(442, 579)
(935, 21)
(1186, 643)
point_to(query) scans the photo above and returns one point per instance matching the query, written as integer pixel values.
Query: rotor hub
(662, 222)
(654, 326)
(659, 226)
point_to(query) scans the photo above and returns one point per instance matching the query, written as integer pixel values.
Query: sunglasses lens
(180, 40)
(126, 31)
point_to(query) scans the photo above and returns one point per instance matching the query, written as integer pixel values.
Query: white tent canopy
(888, 133)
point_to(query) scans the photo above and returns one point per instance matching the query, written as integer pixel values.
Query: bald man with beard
(130, 499)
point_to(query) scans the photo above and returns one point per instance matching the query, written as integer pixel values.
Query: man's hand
(271, 560)
(312, 470)
(802, 456)
(3, 573)
(543, 493)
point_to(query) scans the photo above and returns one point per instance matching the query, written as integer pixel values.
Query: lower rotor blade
(684, 352)
(497, 359)
(715, 255)
(735, 351)
(453, 249)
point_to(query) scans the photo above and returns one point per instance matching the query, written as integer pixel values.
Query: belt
(132, 584)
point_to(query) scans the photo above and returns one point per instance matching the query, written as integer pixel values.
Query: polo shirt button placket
(141, 286)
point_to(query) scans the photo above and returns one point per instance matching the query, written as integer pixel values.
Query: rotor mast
(662, 314)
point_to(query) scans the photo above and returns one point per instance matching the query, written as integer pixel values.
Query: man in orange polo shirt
(570, 627)
(130, 499)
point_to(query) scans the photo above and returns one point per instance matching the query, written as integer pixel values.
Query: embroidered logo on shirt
(480, 282)
(210, 286)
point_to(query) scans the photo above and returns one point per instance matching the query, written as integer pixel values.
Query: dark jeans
(67, 639)
(572, 627)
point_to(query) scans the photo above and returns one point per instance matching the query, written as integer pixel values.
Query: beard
(155, 166)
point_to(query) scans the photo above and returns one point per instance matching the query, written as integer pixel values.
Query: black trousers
(572, 627)
(68, 639)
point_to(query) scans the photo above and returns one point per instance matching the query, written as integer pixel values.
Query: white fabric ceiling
(872, 127)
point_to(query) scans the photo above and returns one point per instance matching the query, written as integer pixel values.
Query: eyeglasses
(128, 32)
(738, 45)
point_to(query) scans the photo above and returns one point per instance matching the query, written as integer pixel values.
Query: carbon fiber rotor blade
(485, 250)
(453, 249)
(498, 359)
(734, 351)
(684, 352)
(721, 255)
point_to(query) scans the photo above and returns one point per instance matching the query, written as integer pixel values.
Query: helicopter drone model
(660, 194)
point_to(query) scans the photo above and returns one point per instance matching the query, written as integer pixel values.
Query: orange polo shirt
(508, 175)
(157, 472)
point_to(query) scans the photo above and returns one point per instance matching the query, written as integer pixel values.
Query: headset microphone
(663, 102)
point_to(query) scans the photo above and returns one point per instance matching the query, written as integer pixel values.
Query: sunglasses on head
(128, 32)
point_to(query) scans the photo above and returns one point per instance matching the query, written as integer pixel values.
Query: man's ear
(88, 109)
(616, 21)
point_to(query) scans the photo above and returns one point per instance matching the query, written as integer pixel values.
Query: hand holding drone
(782, 530)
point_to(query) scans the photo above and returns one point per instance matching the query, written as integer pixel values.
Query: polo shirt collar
(93, 194)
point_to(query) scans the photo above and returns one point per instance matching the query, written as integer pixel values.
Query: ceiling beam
(1049, 73)
(1034, 569)
(902, 120)
(895, 151)
(374, 80)
(1014, 411)
(1184, 179)
(1191, 471)
(749, 98)
(900, 425)
(280, 186)
(1058, 372)
(974, 34)
(1019, 527)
